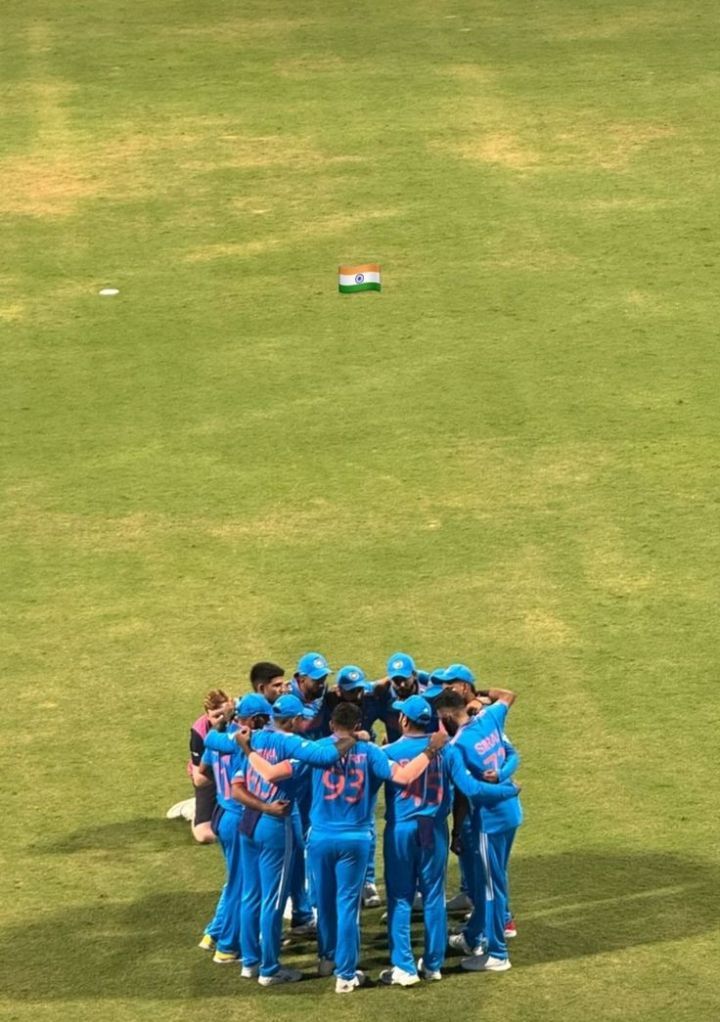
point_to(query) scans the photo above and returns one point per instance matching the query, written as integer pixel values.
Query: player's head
(345, 717)
(352, 684)
(289, 713)
(402, 673)
(450, 708)
(415, 713)
(311, 674)
(268, 679)
(253, 711)
(459, 678)
(218, 706)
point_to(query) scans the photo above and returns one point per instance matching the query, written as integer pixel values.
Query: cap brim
(432, 692)
(317, 675)
(356, 684)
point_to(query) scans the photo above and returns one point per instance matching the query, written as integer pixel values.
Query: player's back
(224, 766)
(429, 795)
(273, 746)
(343, 795)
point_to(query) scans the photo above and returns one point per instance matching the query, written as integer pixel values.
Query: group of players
(286, 779)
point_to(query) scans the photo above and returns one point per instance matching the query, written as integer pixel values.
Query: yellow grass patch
(313, 229)
(12, 313)
(236, 30)
(307, 67)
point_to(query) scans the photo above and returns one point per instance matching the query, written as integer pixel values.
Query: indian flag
(365, 277)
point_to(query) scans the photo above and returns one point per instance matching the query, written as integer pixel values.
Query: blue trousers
(302, 894)
(301, 905)
(338, 862)
(225, 924)
(490, 891)
(410, 867)
(266, 861)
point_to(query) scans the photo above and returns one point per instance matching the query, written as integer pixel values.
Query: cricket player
(269, 835)
(480, 741)
(339, 843)
(416, 843)
(268, 679)
(400, 683)
(222, 935)
(353, 687)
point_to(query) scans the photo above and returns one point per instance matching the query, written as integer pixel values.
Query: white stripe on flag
(347, 279)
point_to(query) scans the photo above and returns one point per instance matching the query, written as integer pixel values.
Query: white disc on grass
(106, 291)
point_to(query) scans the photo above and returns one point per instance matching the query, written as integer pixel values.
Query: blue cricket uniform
(481, 743)
(302, 894)
(224, 927)
(267, 845)
(416, 845)
(341, 814)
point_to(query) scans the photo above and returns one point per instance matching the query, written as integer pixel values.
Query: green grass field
(509, 457)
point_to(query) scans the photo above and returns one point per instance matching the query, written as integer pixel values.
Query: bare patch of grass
(315, 228)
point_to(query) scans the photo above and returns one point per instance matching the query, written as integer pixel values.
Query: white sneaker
(249, 971)
(281, 976)
(326, 967)
(459, 903)
(347, 986)
(188, 810)
(176, 811)
(398, 977)
(431, 974)
(370, 896)
(485, 963)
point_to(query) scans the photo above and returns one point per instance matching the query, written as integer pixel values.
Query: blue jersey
(276, 746)
(482, 745)
(429, 795)
(224, 767)
(343, 795)
(432, 793)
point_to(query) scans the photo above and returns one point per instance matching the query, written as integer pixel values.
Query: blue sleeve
(206, 757)
(479, 792)
(317, 754)
(380, 765)
(219, 742)
(512, 761)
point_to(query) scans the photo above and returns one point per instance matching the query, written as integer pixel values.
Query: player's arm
(414, 768)
(317, 755)
(243, 796)
(202, 776)
(499, 695)
(512, 760)
(481, 793)
(218, 741)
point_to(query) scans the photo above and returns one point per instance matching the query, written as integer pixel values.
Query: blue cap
(313, 665)
(459, 672)
(436, 687)
(415, 708)
(351, 677)
(251, 705)
(400, 665)
(291, 706)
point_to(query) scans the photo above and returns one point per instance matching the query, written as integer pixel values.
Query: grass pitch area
(509, 457)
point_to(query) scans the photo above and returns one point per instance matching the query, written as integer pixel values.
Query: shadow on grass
(568, 906)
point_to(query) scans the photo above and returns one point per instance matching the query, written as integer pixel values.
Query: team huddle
(287, 778)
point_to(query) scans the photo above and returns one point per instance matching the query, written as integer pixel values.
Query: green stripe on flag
(368, 286)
